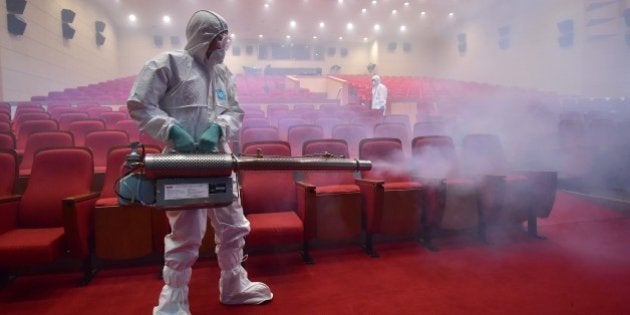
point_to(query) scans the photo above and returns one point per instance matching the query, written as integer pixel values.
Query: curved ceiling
(272, 19)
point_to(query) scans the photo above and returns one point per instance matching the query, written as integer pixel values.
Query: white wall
(136, 49)
(41, 60)
(534, 59)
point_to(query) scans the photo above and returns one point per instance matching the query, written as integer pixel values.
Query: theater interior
(496, 180)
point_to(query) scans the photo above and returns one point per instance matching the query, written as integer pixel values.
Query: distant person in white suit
(379, 94)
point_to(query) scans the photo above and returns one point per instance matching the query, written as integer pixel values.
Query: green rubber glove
(209, 139)
(182, 141)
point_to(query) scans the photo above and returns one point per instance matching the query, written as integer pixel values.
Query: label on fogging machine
(185, 192)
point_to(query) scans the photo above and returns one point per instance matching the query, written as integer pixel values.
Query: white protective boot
(174, 296)
(234, 286)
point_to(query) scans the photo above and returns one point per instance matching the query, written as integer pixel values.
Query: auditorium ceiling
(296, 20)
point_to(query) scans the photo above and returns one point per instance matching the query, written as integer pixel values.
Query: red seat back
(71, 175)
(101, 141)
(7, 140)
(257, 134)
(129, 126)
(299, 134)
(110, 118)
(257, 195)
(434, 157)
(42, 140)
(335, 147)
(66, 118)
(80, 128)
(352, 134)
(31, 126)
(9, 171)
(388, 159)
(483, 154)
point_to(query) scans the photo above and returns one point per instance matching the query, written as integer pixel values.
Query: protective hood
(376, 79)
(202, 28)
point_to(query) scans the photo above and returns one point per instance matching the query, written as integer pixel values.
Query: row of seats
(117, 90)
(397, 197)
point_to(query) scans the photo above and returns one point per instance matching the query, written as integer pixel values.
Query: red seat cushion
(275, 228)
(337, 189)
(107, 202)
(30, 246)
(402, 186)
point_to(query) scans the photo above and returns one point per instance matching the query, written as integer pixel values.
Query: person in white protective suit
(379, 94)
(188, 99)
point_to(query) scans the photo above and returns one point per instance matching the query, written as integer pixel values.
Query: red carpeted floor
(582, 268)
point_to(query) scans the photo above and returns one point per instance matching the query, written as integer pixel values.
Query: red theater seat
(53, 218)
(18, 120)
(65, 119)
(100, 142)
(129, 126)
(9, 171)
(256, 134)
(352, 134)
(328, 123)
(80, 128)
(429, 128)
(271, 209)
(452, 199)
(508, 197)
(114, 225)
(110, 118)
(7, 140)
(95, 112)
(42, 140)
(329, 202)
(284, 123)
(394, 130)
(31, 126)
(5, 118)
(298, 134)
(394, 201)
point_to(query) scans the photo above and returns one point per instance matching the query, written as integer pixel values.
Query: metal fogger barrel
(179, 181)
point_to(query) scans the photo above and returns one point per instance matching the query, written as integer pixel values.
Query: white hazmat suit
(194, 89)
(379, 94)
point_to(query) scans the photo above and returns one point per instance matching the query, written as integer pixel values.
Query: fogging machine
(178, 181)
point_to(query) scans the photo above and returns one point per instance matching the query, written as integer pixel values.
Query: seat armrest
(8, 212)
(369, 182)
(78, 222)
(372, 203)
(429, 181)
(305, 207)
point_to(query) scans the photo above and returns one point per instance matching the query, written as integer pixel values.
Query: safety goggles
(223, 40)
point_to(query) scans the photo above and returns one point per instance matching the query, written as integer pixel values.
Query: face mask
(217, 56)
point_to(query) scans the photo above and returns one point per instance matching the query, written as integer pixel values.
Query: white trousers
(181, 250)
